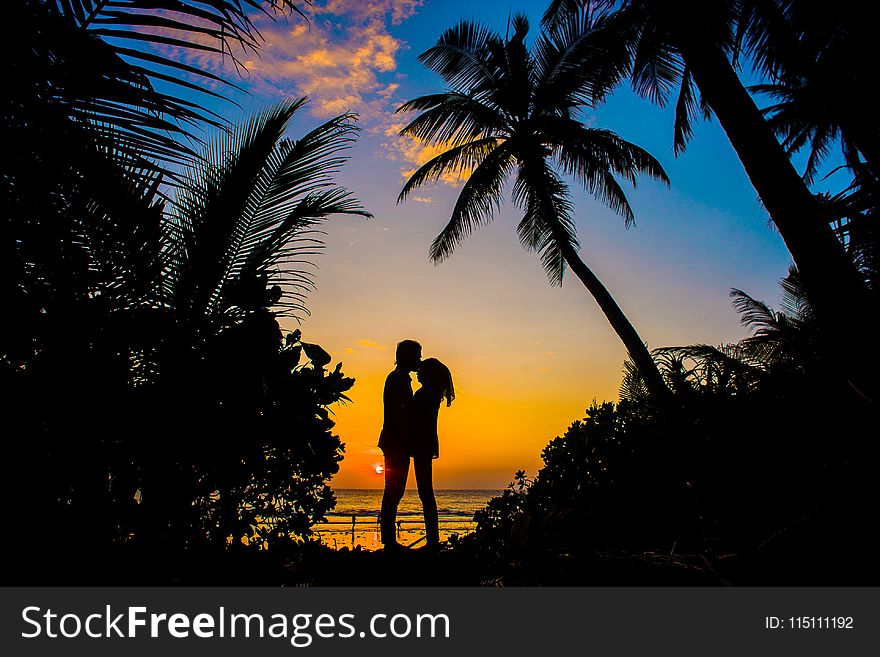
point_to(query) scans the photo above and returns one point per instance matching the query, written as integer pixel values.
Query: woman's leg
(425, 482)
(396, 471)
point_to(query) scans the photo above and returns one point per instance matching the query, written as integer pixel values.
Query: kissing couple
(409, 432)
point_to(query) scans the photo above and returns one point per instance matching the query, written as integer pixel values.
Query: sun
(379, 469)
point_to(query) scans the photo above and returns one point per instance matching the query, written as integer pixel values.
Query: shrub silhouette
(741, 485)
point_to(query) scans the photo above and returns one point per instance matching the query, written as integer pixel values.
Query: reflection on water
(355, 520)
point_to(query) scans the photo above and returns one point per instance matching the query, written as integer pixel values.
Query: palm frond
(548, 221)
(248, 199)
(561, 10)
(777, 338)
(121, 63)
(227, 21)
(686, 107)
(754, 314)
(794, 302)
(218, 197)
(300, 193)
(801, 121)
(453, 161)
(120, 228)
(594, 156)
(479, 199)
(656, 66)
(632, 385)
(461, 57)
(579, 61)
(451, 118)
(283, 257)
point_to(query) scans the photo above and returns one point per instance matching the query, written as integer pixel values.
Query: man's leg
(396, 471)
(425, 482)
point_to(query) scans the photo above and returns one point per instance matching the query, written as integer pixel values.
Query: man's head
(409, 355)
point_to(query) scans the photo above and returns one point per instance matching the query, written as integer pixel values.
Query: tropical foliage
(156, 414)
(167, 411)
(818, 66)
(119, 70)
(153, 403)
(694, 47)
(743, 486)
(511, 112)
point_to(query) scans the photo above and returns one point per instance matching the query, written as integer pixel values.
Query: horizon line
(435, 490)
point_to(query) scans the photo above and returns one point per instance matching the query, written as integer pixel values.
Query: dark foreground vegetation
(762, 474)
(159, 428)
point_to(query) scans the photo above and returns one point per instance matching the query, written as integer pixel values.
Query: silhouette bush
(235, 448)
(739, 483)
(151, 404)
(254, 468)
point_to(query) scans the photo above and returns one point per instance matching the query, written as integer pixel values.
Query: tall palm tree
(687, 43)
(511, 112)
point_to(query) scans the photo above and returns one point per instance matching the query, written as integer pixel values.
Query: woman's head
(435, 376)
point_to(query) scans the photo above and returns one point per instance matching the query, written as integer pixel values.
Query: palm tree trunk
(838, 296)
(621, 325)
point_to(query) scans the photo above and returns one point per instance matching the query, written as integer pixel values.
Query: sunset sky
(527, 358)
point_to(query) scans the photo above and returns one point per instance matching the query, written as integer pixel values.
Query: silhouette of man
(394, 441)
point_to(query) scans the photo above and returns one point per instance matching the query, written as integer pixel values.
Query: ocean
(455, 510)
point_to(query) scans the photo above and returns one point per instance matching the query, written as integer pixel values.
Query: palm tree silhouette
(99, 93)
(509, 112)
(820, 67)
(783, 347)
(120, 69)
(682, 43)
(237, 238)
(167, 305)
(248, 206)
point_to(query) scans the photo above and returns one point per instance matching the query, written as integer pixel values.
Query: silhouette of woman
(436, 383)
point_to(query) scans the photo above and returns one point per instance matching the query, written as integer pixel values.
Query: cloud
(344, 58)
(427, 200)
(366, 343)
(412, 153)
(399, 10)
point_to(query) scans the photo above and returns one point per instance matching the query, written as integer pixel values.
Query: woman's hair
(434, 374)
